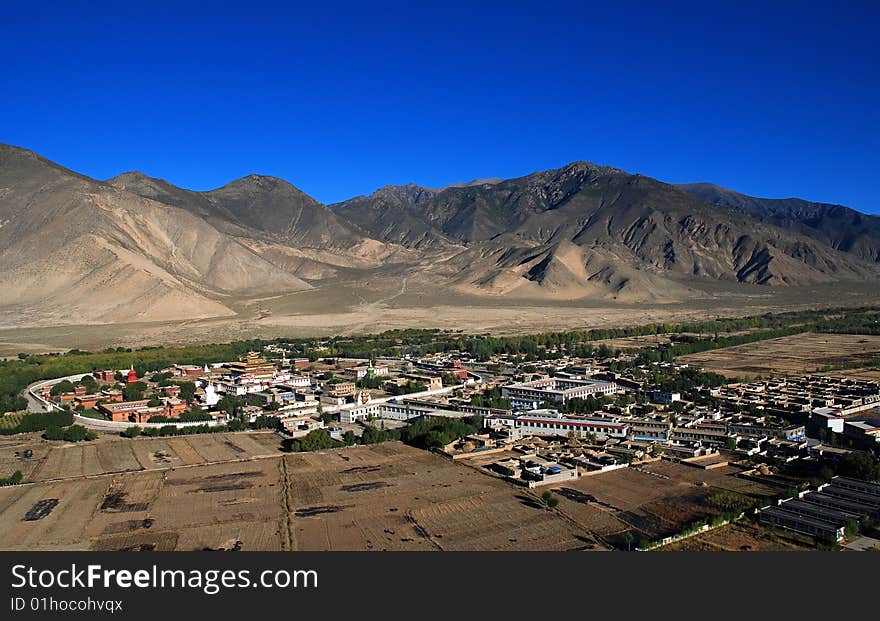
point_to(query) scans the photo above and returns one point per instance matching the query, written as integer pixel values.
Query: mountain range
(134, 248)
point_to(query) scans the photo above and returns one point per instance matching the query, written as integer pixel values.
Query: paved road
(34, 404)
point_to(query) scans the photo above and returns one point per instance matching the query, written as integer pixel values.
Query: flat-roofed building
(792, 433)
(850, 506)
(857, 485)
(820, 512)
(552, 423)
(396, 411)
(777, 516)
(649, 430)
(360, 372)
(298, 426)
(124, 410)
(706, 435)
(340, 389)
(431, 382)
(88, 401)
(865, 498)
(557, 390)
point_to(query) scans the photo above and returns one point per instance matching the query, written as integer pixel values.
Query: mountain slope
(79, 249)
(136, 248)
(840, 227)
(393, 214)
(277, 221)
(591, 231)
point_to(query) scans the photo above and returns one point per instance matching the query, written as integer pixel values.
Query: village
(537, 424)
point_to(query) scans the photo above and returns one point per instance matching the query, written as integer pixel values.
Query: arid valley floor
(371, 307)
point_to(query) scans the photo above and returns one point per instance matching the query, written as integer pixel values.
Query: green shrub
(53, 432)
(14, 479)
(132, 432)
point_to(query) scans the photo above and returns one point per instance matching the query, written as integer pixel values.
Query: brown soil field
(655, 501)
(239, 491)
(742, 536)
(110, 454)
(12, 454)
(790, 355)
(254, 497)
(867, 375)
(634, 342)
(218, 506)
(394, 497)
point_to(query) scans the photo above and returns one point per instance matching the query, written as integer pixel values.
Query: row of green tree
(73, 433)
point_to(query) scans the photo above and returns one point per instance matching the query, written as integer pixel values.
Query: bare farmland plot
(187, 453)
(64, 527)
(264, 535)
(222, 493)
(126, 504)
(740, 537)
(660, 501)
(14, 451)
(258, 444)
(61, 462)
(217, 447)
(268, 442)
(394, 497)
(118, 456)
(89, 457)
(789, 355)
(154, 453)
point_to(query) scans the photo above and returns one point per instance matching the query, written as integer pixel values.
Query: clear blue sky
(340, 99)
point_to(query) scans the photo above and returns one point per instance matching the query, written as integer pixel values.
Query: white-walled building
(552, 423)
(529, 395)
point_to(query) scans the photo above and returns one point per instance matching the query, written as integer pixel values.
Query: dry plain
(374, 305)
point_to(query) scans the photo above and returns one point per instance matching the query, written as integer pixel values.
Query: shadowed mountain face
(76, 250)
(585, 230)
(835, 225)
(255, 206)
(393, 214)
(136, 248)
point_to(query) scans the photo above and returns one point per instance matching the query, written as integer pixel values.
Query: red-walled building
(461, 374)
(105, 376)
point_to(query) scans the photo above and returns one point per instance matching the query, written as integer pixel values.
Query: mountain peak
(132, 176)
(583, 167)
(262, 185)
(408, 194)
(473, 182)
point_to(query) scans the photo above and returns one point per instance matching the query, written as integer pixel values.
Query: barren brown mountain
(75, 250)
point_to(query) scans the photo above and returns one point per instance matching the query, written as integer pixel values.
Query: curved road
(35, 403)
